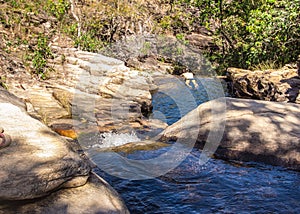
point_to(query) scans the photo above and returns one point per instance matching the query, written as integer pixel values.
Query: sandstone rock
(254, 130)
(88, 87)
(45, 104)
(38, 161)
(97, 196)
(274, 85)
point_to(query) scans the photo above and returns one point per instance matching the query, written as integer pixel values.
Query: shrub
(252, 32)
(41, 53)
(57, 8)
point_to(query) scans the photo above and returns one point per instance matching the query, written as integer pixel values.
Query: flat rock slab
(38, 161)
(254, 130)
(96, 196)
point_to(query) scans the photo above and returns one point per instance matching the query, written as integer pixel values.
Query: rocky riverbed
(90, 93)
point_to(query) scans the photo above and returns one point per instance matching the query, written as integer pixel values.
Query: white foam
(110, 139)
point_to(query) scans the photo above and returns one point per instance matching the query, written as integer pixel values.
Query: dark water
(215, 187)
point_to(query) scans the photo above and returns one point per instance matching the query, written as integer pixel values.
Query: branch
(76, 18)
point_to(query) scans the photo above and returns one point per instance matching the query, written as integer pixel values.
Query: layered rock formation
(281, 85)
(245, 130)
(89, 91)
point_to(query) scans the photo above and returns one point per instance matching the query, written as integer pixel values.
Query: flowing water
(215, 187)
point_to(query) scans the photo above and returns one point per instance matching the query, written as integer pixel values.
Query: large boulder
(254, 130)
(96, 196)
(38, 161)
(282, 85)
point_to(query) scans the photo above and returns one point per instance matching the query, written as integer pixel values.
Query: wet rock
(65, 127)
(273, 85)
(254, 130)
(144, 145)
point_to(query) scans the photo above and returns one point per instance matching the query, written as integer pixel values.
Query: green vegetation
(58, 8)
(249, 34)
(252, 33)
(2, 82)
(25, 35)
(40, 56)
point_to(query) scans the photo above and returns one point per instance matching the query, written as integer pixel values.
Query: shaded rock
(38, 161)
(261, 131)
(273, 85)
(96, 196)
(7, 97)
(202, 41)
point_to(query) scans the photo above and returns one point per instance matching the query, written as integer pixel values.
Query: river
(215, 187)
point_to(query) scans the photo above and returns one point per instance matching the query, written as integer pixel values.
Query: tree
(252, 32)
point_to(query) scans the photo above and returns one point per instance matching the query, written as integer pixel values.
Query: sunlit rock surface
(89, 91)
(38, 160)
(248, 130)
(41, 172)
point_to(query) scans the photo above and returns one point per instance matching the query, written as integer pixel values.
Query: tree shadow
(293, 91)
(255, 130)
(29, 171)
(23, 178)
(71, 200)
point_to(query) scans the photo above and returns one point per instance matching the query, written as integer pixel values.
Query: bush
(252, 32)
(57, 8)
(40, 56)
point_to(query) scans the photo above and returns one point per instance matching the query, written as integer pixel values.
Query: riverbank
(43, 172)
(88, 94)
(40, 105)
